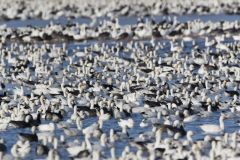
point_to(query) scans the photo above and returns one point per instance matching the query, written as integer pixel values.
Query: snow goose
(213, 128)
(21, 149)
(79, 123)
(209, 43)
(41, 149)
(189, 118)
(90, 129)
(124, 124)
(53, 154)
(144, 123)
(103, 117)
(46, 127)
(3, 126)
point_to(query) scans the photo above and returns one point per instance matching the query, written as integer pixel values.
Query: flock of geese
(132, 96)
(112, 30)
(111, 91)
(44, 9)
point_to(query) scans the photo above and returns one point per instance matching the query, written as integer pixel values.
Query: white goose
(46, 127)
(21, 149)
(213, 128)
(103, 117)
(124, 124)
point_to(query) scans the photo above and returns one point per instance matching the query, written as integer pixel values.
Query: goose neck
(221, 123)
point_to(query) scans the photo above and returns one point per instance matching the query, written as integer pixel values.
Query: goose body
(190, 118)
(46, 127)
(212, 128)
